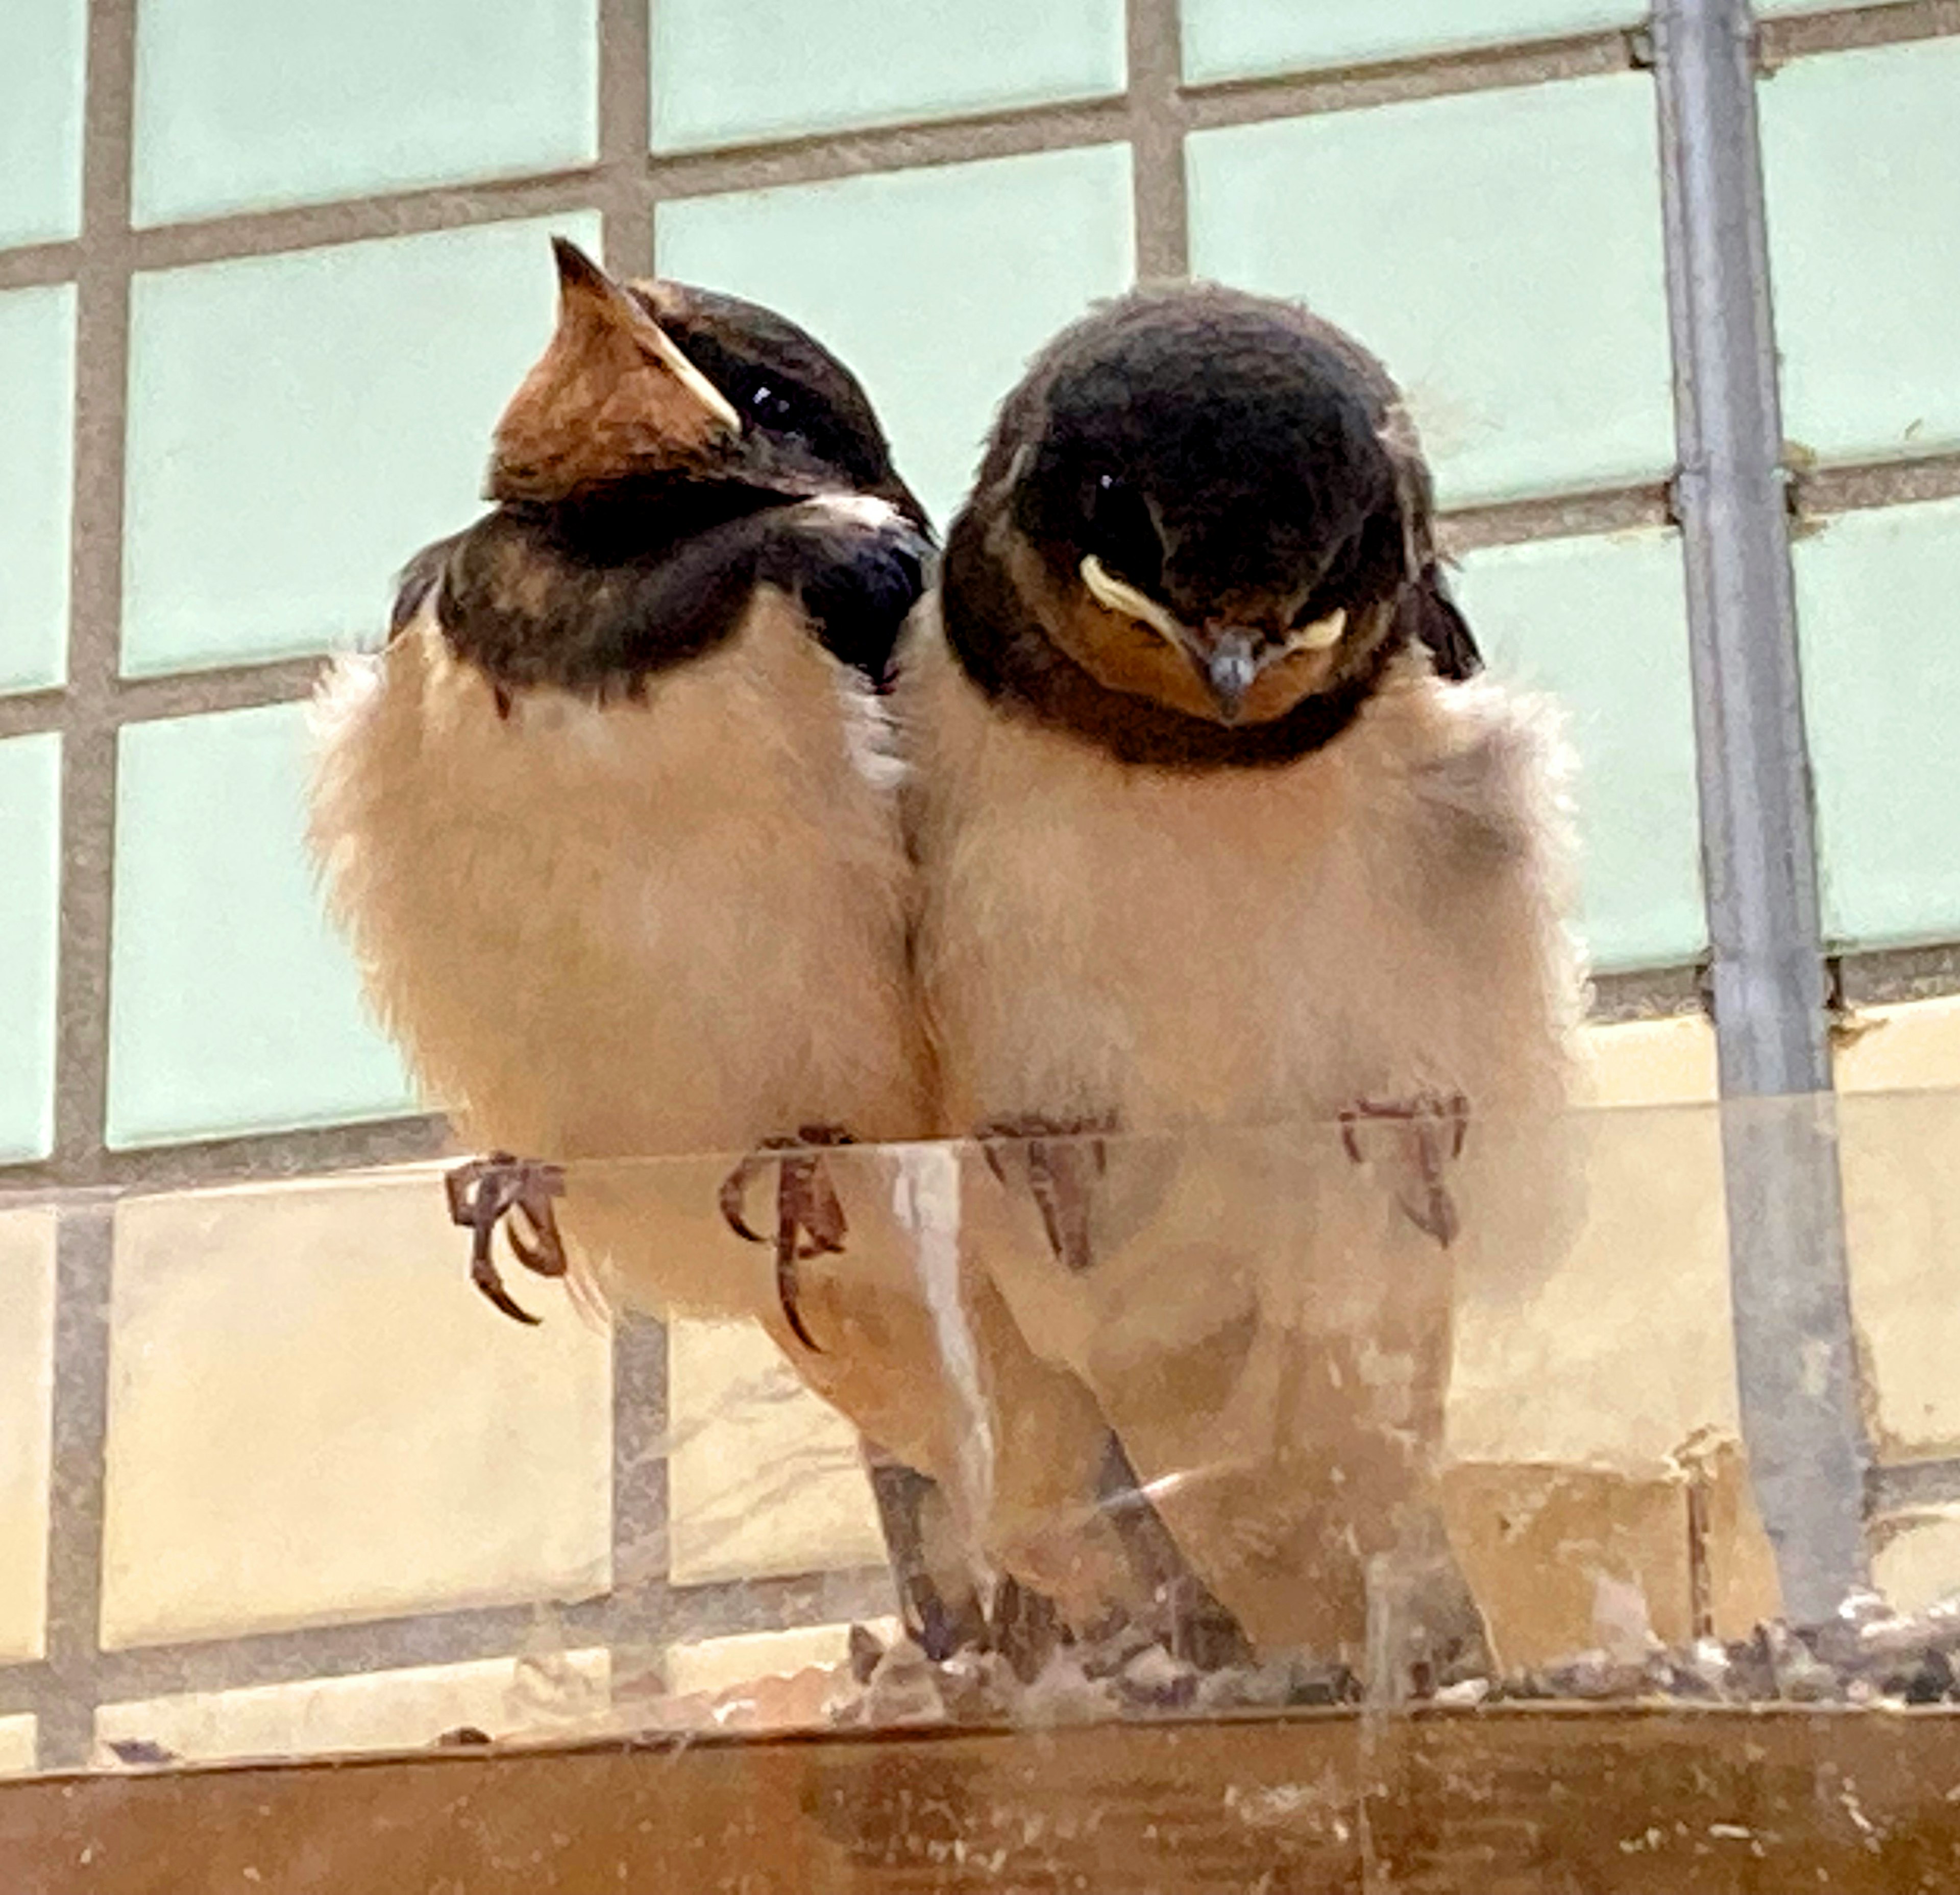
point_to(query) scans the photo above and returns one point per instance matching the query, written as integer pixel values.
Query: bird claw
(735, 1189)
(1024, 1627)
(1059, 1156)
(485, 1193)
(1436, 1127)
(807, 1208)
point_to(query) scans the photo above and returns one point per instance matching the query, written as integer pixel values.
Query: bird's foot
(1024, 1627)
(1428, 1129)
(1191, 1622)
(810, 1217)
(487, 1192)
(1064, 1158)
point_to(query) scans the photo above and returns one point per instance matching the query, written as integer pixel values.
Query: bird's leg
(1196, 1626)
(486, 1191)
(1430, 1129)
(912, 1512)
(1064, 1159)
(809, 1216)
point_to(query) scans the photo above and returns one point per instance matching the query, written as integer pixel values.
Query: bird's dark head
(672, 452)
(1208, 501)
(657, 380)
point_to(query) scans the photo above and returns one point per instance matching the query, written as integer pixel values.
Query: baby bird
(1241, 932)
(611, 823)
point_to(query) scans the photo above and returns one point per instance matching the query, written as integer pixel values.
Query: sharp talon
(930, 1622)
(734, 1194)
(483, 1274)
(1438, 1128)
(1024, 1628)
(1047, 1190)
(543, 1253)
(807, 1208)
(787, 1290)
(1057, 1181)
(482, 1194)
(822, 1217)
(1437, 1218)
(789, 1246)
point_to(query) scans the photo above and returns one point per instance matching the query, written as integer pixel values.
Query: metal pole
(1796, 1363)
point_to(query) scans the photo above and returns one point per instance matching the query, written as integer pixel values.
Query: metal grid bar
(1801, 36)
(625, 194)
(69, 1677)
(84, 1237)
(1896, 974)
(88, 772)
(650, 1615)
(1157, 140)
(1796, 1364)
(253, 1158)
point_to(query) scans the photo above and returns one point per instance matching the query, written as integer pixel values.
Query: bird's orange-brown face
(657, 379)
(1247, 661)
(612, 390)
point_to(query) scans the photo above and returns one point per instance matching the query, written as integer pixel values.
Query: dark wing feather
(856, 583)
(417, 579)
(1441, 629)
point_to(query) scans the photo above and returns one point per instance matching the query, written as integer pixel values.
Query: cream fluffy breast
(1244, 944)
(670, 925)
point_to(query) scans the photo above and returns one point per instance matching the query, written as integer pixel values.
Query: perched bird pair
(1176, 852)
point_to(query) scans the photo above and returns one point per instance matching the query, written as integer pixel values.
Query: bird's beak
(591, 305)
(1229, 667)
(1227, 661)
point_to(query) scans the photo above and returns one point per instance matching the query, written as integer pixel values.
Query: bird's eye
(1122, 533)
(771, 406)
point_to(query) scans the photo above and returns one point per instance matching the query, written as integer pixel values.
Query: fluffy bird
(1241, 936)
(610, 822)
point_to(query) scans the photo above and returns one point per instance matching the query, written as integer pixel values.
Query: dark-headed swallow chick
(1220, 828)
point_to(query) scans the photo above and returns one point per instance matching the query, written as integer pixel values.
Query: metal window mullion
(1795, 1360)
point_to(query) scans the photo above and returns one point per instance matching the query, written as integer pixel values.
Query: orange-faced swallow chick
(1219, 828)
(611, 825)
